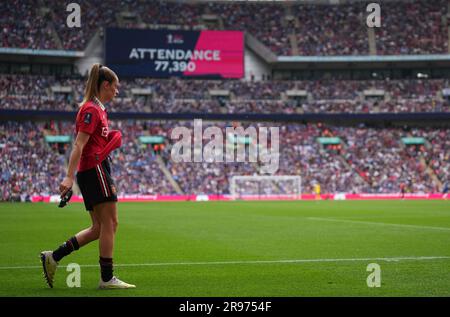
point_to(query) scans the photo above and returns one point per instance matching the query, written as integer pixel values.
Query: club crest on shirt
(87, 118)
(105, 132)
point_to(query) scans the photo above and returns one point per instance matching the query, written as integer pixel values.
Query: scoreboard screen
(168, 53)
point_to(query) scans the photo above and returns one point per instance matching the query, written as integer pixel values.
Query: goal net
(266, 187)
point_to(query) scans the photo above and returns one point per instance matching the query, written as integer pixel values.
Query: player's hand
(65, 185)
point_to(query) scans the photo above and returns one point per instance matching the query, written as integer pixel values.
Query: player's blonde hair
(97, 75)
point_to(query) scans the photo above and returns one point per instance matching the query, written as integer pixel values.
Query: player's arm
(80, 141)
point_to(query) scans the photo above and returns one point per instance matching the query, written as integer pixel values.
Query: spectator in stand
(410, 27)
(24, 25)
(368, 160)
(413, 27)
(174, 96)
(331, 30)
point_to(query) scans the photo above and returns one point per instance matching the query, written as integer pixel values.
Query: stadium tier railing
(435, 118)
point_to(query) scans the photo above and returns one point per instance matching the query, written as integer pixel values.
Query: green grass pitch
(188, 249)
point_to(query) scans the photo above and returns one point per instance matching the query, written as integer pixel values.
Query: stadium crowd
(268, 25)
(23, 25)
(413, 27)
(94, 15)
(32, 92)
(409, 27)
(28, 167)
(437, 152)
(334, 30)
(378, 157)
(367, 160)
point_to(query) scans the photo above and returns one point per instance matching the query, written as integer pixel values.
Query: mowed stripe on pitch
(379, 223)
(388, 259)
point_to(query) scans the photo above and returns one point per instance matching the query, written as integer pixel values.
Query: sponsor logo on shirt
(105, 132)
(87, 118)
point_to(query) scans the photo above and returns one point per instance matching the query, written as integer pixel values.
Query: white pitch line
(392, 259)
(379, 223)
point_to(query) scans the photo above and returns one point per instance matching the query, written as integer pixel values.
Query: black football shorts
(96, 185)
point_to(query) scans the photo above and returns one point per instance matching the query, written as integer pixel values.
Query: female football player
(89, 156)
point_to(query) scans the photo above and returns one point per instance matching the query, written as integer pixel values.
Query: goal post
(266, 187)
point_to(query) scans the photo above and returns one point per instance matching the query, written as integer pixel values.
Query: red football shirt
(92, 119)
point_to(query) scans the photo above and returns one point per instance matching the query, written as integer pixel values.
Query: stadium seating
(285, 28)
(32, 92)
(39, 167)
(333, 30)
(24, 25)
(413, 28)
(368, 160)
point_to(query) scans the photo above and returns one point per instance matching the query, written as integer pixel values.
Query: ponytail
(97, 75)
